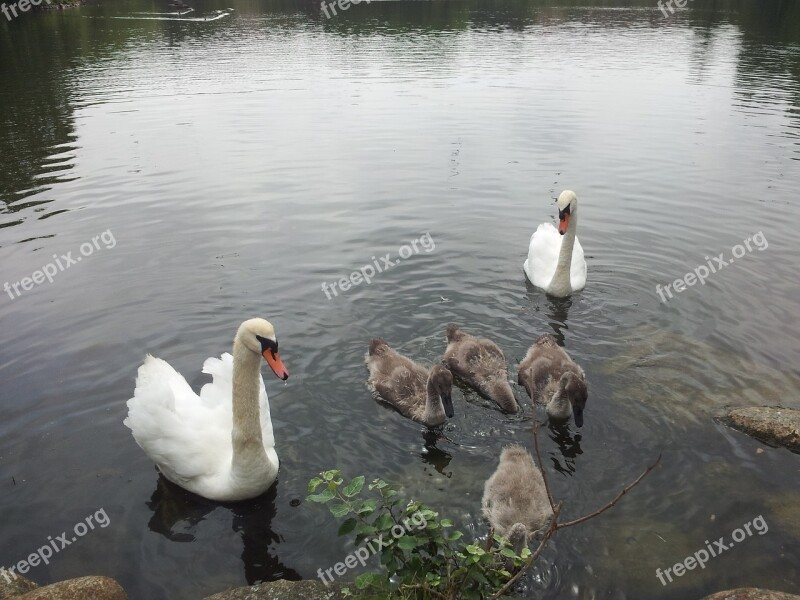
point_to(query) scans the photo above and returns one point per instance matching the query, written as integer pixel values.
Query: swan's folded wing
(543, 255)
(577, 272)
(175, 428)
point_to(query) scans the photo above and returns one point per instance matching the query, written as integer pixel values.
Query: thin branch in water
(541, 464)
(624, 491)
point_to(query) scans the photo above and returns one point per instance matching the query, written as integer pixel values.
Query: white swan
(555, 258)
(219, 444)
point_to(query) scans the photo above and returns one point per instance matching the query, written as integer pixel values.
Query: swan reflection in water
(436, 457)
(177, 514)
(569, 445)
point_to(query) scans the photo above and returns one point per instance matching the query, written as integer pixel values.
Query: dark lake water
(239, 163)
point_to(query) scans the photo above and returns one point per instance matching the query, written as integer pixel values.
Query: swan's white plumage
(540, 266)
(189, 436)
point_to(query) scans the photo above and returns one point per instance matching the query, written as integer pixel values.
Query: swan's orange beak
(563, 223)
(276, 364)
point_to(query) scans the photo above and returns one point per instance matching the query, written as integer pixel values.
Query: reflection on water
(241, 162)
(177, 513)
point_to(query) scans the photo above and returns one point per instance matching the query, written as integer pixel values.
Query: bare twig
(624, 491)
(541, 464)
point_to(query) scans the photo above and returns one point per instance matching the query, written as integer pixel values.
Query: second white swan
(555, 260)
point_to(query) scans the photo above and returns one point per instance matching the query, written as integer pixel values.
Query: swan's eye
(267, 344)
(562, 213)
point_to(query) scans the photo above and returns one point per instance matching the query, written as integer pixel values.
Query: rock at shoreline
(751, 594)
(15, 587)
(283, 590)
(81, 588)
(771, 424)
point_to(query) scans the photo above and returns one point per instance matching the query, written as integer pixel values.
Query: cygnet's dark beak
(447, 402)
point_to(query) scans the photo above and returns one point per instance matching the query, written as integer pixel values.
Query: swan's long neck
(248, 445)
(560, 285)
(434, 410)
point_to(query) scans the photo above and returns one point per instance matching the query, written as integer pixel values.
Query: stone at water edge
(16, 587)
(751, 594)
(284, 590)
(81, 588)
(771, 424)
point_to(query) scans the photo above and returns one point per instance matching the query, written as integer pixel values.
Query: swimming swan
(480, 364)
(552, 378)
(219, 444)
(410, 388)
(515, 499)
(555, 260)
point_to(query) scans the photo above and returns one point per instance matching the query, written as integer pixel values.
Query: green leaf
(508, 552)
(366, 529)
(446, 523)
(526, 552)
(312, 485)
(385, 521)
(354, 487)
(348, 526)
(368, 507)
(329, 475)
(366, 580)
(322, 498)
(407, 542)
(452, 536)
(339, 510)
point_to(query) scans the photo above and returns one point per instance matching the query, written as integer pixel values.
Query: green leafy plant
(429, 559)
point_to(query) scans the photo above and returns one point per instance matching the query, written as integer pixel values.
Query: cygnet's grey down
(552, 378)
(415, 392)
(480, 364)
(515, 498)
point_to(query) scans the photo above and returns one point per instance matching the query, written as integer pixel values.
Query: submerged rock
(776, 426)
(284, 590)
(751, 594)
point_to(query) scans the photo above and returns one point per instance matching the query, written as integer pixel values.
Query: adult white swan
(218, 444)
(555, 258)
